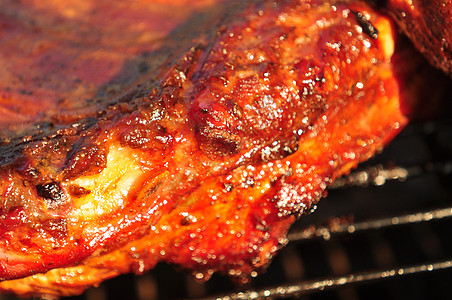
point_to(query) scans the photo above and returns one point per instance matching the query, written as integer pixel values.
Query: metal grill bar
(306, 287)
(325, 232)
(379, 175)
(341, 225)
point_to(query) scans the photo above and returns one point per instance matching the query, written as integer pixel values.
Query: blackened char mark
(366, 25)
(50, 191)
(216, 125)
(85, 158)
(219, 142)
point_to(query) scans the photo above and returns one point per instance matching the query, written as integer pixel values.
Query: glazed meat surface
(131, 137)
(428, 24)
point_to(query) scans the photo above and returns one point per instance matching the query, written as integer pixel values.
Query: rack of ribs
(191, 134)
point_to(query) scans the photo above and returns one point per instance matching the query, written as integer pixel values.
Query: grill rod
(345, 227)
(306, 287)
(341, 225)
(378, 175)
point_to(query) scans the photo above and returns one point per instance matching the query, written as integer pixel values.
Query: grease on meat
(241, 118)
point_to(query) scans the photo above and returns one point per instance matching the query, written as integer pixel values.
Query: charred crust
(366, 25)
(145, 137)
(86, 158)
(216, 125)
(50, 191)
(185, 221)
(217, 142)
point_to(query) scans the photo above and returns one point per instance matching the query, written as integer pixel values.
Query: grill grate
(389, 237)
(341, 226)
(306, 287)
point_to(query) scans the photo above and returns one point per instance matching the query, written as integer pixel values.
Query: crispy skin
(428, 24)
(242, 119)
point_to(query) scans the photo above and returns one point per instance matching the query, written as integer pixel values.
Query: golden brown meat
(242, 116)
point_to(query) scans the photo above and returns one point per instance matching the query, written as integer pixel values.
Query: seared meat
(428, 24)
(200, 152)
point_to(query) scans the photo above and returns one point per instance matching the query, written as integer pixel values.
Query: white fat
(108, 189)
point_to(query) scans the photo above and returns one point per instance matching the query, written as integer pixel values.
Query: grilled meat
(197, 145)
(428, 24)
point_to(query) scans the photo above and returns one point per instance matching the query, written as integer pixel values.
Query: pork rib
(428, 24)
(242, 117)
